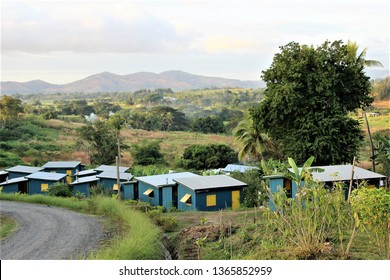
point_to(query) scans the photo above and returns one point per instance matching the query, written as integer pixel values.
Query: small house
(329, 175)
(108, 179)
(110, 168)
(40, 182)
(238, 168)
(65, 167)
(209, 193)
(161, 190)
(84, 184)
(21, 171)
(15, 185)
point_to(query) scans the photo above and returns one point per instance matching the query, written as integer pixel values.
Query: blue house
(161, 190)
(65, 167)
(109, 179)
(329, 175)
(84, 184)
(21, 171)
(15, 185)
(209, 193)
(40, 182)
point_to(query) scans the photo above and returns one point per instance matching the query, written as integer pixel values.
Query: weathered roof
(3, 172)
(165, 179)
(113, 175)
(85, 172)
(111, 168)
(333, 173)
(24, 169)
(87, 179)
(209, 182)
(238, 168)
(13, 181)
(48, 176)
(343, 172)
(61, 164)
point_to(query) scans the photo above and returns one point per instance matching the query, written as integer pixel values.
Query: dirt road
(48, 233)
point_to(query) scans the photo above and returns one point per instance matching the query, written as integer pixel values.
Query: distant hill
(109, 82)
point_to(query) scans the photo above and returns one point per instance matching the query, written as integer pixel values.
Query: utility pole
(351, 181)
(118, 181)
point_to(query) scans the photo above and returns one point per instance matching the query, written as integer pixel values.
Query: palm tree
(352, 49)
(253, 144)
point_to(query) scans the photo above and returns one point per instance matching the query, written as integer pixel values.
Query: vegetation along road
(49, 233)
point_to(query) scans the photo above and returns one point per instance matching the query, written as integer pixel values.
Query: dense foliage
(147, 153)
(200, 157)
(209, 124)
(310, 92)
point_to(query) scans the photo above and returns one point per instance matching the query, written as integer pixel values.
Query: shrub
(60, 189)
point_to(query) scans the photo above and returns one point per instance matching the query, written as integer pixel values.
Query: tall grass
(137, 239)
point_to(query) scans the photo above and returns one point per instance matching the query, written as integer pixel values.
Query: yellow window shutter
(211, 200)
(44, 187)
(185, 198)
(115, 187)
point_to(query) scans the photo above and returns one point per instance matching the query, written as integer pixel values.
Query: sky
(63, 41)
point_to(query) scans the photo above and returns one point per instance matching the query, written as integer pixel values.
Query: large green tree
(99, 140)
(10, 108)
(310, 92)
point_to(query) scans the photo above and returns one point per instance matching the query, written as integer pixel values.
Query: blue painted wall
(12, 175)
(155, 201)
(108, 183)
(223, 199)
(128, 191)
(274, 185)
(11, 188)
(34, 185)
(182, 191)
(83, 188)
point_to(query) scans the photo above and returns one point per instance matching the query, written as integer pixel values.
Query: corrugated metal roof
(342, 173)
(85, 180)
(24, 169)
(3, 172)
(46, 176)
(14, 180)
(209, 182)
(164, 179)
(85, 172)
(61, 164)
(111, 168)
(113, 175)
(238, 168)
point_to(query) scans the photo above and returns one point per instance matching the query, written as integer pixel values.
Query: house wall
(142, 187)
(223, 199)
(108, 183)
(83, 188)
(34, 185)
(11, 188)
(129, 191)
(12, 174)
(182, 191)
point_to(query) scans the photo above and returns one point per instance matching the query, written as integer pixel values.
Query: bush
(148, 153)
(60, 189)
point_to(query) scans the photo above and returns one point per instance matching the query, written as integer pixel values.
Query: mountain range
(109, 82)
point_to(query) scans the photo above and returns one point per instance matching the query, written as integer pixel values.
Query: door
(235, 200)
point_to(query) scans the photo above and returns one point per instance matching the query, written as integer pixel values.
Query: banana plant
(300, 174)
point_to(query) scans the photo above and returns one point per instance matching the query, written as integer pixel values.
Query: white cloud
(85, 27)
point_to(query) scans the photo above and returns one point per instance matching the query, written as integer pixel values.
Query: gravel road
(49, 233)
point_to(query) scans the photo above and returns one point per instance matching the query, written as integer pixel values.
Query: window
(186, 199)
(115, 187)
(149, 193)
(211, 200)
(44, 187)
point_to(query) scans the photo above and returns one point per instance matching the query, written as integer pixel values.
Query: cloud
(40, 27)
